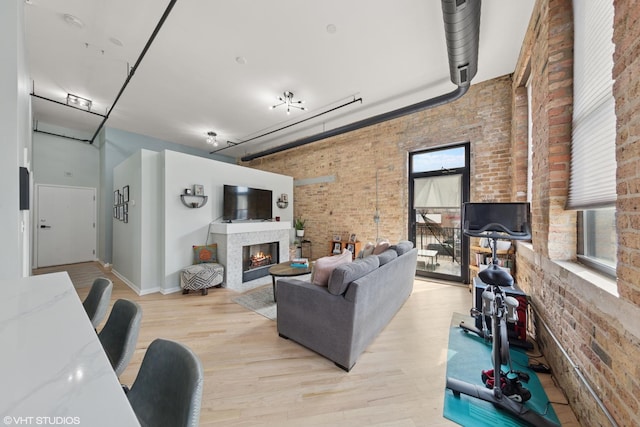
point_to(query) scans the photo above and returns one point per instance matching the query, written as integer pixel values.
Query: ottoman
(200, 277)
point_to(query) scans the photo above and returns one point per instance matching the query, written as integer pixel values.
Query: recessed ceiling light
(331, 29)
(73, 21)
(241, 60)
(115, 41)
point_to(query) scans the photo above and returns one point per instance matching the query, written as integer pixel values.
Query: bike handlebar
(498, 231)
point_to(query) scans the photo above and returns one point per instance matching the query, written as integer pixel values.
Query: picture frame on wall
(126, 208)
(198, 190)
(125, 193)
(121, 212)
(115, 212)
(351, 247)
(126, 218)
(337, 237)
(352, 239)
(116, 197)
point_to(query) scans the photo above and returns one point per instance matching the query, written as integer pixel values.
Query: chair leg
(205, 291)
(185, 291)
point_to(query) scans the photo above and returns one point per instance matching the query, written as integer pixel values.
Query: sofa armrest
(315, 318)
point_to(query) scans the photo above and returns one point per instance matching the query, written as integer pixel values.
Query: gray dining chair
(119, 335)
(96, 303)
(168, 388)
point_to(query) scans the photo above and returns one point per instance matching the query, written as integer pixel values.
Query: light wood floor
(255, 378)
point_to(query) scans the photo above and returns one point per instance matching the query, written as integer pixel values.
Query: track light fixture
(78, 101)
(211, 138)
(287, 99)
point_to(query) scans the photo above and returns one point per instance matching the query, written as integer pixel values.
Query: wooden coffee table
(284, 269)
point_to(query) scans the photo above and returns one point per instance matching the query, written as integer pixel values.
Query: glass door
(439, 184)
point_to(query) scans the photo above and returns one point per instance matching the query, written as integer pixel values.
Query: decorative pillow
(403, 247)
(386, 256)
(324, 266)
(344, 274)
(368, 249)
(208, 253)
(381, 246)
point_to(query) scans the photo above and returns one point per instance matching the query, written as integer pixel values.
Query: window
(592, 188)
(439, 160)
(597, 239)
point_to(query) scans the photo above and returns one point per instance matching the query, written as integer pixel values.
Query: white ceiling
(390, 53)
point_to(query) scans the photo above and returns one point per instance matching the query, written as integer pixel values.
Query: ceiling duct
(462, 29)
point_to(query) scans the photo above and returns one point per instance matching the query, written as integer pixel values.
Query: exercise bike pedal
(522, 376)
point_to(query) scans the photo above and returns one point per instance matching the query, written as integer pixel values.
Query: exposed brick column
(626, 91)
(552, 92)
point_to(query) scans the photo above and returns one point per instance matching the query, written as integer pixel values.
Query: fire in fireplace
(256, 260)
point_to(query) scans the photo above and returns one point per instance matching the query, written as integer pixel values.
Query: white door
(66, 225)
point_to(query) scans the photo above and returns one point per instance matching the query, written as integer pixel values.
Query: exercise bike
(502, 385)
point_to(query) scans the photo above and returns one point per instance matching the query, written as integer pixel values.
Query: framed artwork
(125, 193)
(126, 218)
(126, 208)
(198, 190)
(116, 197)
(336, 237)
(121, 212)
(352, 239)
(350, 247)
(336, 248)
(115, 212)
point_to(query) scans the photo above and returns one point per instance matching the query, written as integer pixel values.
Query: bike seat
(494, 275)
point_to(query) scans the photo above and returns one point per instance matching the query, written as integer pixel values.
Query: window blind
(593, 147)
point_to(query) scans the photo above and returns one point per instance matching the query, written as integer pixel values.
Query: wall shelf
(193, 201)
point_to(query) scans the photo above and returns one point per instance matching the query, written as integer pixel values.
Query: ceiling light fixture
(211, 138)
(289, 102)
(78, 101)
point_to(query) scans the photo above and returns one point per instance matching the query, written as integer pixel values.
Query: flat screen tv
(246, 203)
(498, 218)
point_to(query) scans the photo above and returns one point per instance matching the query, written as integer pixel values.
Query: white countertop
(51, 361)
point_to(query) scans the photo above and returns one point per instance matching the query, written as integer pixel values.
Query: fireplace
(257, 258)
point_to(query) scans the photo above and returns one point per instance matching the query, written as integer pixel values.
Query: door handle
(45, 226)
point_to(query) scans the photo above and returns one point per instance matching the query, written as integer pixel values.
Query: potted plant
(299, 226)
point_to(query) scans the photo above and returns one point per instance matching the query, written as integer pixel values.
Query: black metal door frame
(466, 185)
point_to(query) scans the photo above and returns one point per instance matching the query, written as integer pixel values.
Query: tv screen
(477, 217)
(246, 203)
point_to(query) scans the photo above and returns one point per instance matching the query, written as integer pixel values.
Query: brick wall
(598, 330)
(350, 162)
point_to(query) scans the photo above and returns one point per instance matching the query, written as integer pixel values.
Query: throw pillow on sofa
(381, 246)
(344, 274)
(324, 266)
(368, 249)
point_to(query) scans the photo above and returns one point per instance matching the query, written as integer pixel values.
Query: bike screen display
(512, 216)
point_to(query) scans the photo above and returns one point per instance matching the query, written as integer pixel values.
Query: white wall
(15, 141)
(115, 146)
(127, 251)
(63, 161)
(182, 227)
(136, 251)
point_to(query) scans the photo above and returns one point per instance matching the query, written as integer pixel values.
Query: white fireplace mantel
(248, 226)
(231, 237)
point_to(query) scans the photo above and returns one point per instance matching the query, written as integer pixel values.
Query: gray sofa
(341, 320)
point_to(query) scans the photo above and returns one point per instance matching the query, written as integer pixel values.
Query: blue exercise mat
(467, 357)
